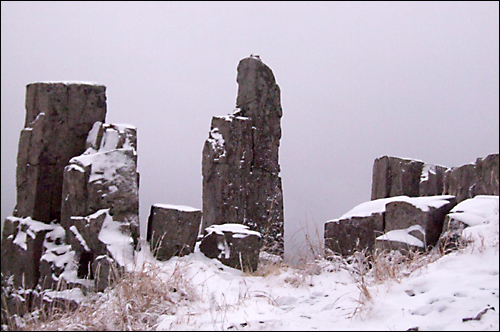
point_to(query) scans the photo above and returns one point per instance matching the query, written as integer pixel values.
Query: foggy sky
(358, 80)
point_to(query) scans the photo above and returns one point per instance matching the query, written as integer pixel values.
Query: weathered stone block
(393, 176)
(402, 215)
(356, 233)
(172, 230)
(479, 178)
(233, 244)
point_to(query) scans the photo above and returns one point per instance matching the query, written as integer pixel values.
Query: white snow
(443, 295)
(117, 243)
(217, 140)
(176, 207)
(378, 206)
(27, 227)
(437, 296)
(234, 228)
(403, 236)
(67, 82)
(477, 210)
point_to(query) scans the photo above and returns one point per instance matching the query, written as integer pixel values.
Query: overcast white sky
(358, 79)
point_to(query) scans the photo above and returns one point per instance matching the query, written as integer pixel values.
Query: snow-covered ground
(457, 291)
(329, 295)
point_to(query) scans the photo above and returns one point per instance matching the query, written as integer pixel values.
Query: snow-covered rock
(234, 245)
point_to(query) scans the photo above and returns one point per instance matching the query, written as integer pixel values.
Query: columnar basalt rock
(101, 197)
(399, 222)
(393, 176)
(403, 215)
(105, 176)
(469, 180)
(241, 182)
(172, 230)
(345, 236)
(58, 118)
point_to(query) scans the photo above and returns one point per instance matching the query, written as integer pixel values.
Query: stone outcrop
(22, 249)
(393, 176)
(104, 177)
(344, 236)
(479, 178)
(77, 184)
(389, 223)
(101, 195)
(172, 230)
(406, 225)
(241, 182)
(401, 215)
(233, 244)
(58, 119)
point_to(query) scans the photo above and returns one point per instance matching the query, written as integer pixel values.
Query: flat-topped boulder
(172, 230)
(235, 245)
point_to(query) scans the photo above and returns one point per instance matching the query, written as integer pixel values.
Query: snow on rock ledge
(362, 226)
(234, 245)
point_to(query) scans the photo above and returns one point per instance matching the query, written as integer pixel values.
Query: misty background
(358, 80)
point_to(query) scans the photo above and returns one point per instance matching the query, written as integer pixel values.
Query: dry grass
(134, 303)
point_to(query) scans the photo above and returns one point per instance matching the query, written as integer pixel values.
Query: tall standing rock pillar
(241, 182)
(58, 119)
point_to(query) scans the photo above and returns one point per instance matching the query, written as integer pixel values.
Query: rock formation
(367, 225)
(346, 235)
(479, 178)
(393, 176)
(401, 215)
(69, 219)
(398, 185)
(104, 177)
(172, 230)
(233, 244)
(58, 119)
(241, 182)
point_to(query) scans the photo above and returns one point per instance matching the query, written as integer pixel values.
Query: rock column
(241, 182)
(58, 119)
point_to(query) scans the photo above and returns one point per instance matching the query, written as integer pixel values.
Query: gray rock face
(101, 197)
(399, 222)
(393, 176)
(403, 215)
(241, 182)
(357, 233)
(58, 118)
(172, 230)
(479, 178)
(104, 177)
(233, 244)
